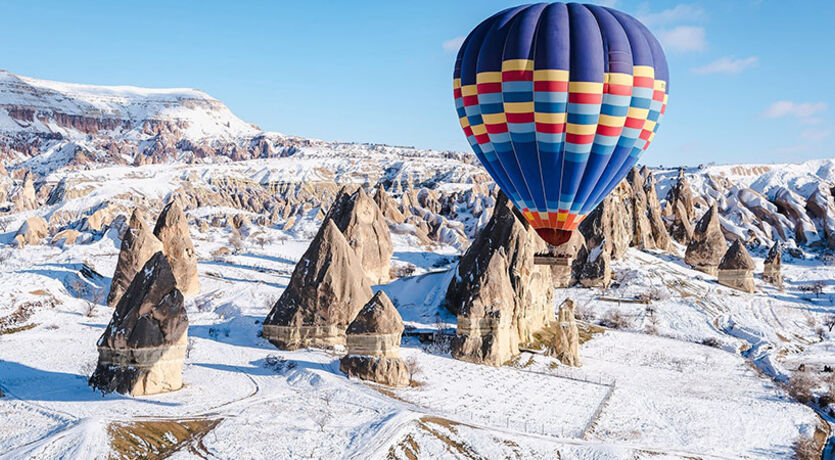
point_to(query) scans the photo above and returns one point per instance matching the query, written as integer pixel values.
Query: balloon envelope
(558, 101)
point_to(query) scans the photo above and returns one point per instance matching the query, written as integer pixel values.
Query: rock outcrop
(326, 291)
(172, 230)
(736, 270)
(773, 264)
(642, 236)
(656, 222)
(388, 206)
(138, 245)
(499, 295)
(32, 231)
(566, 345)
(359, 218)
(24, 198)
(594, 266)
(610, 223)
(143, 347)
(373, 343)
(708, 246)
(65, 237)
(821, 207)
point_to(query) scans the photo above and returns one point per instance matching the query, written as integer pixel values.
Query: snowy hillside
(675, 365)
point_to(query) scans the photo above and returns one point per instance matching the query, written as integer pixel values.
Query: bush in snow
(278, 363)
(805, 448)
(614, 319)
(800, 386)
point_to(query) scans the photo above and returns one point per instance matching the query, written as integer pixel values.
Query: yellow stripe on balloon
(469, 90)
(554, 118)
(518, 107)
(649, 125)
(488, 77)
(494, 118)
(517, 65)
(612, 121)
(550, 75)
(465, 122)
(618, 78)
(479, 130)
(638, 113)
(590, 87)
(643, 71)
(456, 83)
(580, 129)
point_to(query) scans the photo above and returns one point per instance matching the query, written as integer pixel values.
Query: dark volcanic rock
(326, 291)
(708, 246)
(138, 245)
(143, 347)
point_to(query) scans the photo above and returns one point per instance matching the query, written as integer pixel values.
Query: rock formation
(794, 206)
(143, 347)
(562, 260)
(387, 206)
(31, 231)
(681, 193)
(656, 222)
(65, 237)
(326, 291)
(641, 230)
(610, 223)
(821, 207)
(172, 230)
(566, 345)
(707, 247)
(373, 343)
(138, 245)
(594, 266)
(772, 265)
(24, 198)
(359, 218)
(737, 268)
(499, 295)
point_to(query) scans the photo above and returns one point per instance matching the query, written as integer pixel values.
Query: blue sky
(751, 81)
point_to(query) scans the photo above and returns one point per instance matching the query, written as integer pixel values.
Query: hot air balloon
(558, 101)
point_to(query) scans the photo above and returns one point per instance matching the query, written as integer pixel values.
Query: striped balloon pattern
(558, 102)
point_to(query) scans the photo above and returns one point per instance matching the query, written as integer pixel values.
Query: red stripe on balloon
(617, 90)
(517, 75)
(634, 123)
(482, 138)
(520, 117)
(497, 128)
(484, 88)
(550, 86)
(609, 130)
(579, 138)
(470, 100)
(643, 82)
(550, 128)
(585, 98)
(456, 92)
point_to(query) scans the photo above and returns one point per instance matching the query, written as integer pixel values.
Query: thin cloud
(815, 134)
(679, 13)
(453, 44)
(683, 39)
(727, 64)
(795, 109)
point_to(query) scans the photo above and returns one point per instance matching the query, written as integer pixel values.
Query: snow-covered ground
(638, 395)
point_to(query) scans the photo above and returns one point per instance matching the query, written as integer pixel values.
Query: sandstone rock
(172, 230)
(610, 223)
(794, 206)
(373, 343)
(681, 193)
(138, 245)
(641, 230)
(594, 266)
(499, 295)
(562, 260)
(65, 237)
(31, 231)
(326, 291)
(737, 268)
(359, 218)
(24, 198)
(681, 228)
(708, 246)
(656, 223)
(821, 207)
(566, 345)
(143, 347)
(387, 206)
(772, 265)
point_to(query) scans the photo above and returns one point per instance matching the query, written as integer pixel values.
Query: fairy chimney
(707, 247)
(172, 230)
(771, 267)
(641, 229)
(373, 343)
(499, 295)
(142, 349)
(737, 268)
(359, 218)
(656, 223)
(327, 289)
(138, 245)
(566, 346)
(387, 206)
